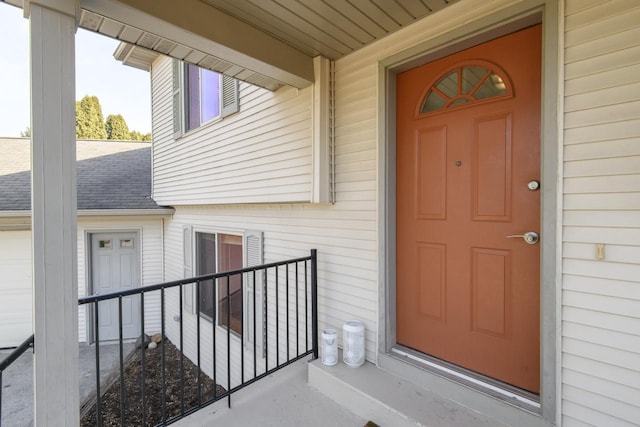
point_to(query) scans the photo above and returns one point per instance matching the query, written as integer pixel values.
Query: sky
(121, 89)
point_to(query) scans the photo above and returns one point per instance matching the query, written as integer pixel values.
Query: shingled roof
(111, 175)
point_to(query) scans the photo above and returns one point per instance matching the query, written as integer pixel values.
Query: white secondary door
(114, 267)
(15, 287)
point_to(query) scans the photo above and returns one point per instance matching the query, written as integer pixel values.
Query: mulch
(152, 414)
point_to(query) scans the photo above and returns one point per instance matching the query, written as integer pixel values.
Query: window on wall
(466, 84)
(203, 96)
(200, 96)
(220, 301)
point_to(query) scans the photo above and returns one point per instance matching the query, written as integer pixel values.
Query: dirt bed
(110, 403)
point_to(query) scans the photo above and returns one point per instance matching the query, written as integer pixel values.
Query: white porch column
(53, 205)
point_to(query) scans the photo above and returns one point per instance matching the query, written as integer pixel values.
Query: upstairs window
(200, 96)
(203, 96)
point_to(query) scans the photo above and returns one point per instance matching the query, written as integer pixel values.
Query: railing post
(314, 302)
(98, 394)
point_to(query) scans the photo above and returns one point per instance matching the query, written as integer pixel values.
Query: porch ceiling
(269, 43)
(331, 28)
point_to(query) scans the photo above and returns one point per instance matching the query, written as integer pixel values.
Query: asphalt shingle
(110, 175)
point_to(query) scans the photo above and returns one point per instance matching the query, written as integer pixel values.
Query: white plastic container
(329, 347)
(353, 343)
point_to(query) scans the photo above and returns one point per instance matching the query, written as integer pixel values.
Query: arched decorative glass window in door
(465, 84)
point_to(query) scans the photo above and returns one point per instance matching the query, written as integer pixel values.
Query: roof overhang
(99, 212)
(184, 30)
(127, 212)
(15, 214)
(268, 43)
(135, 56)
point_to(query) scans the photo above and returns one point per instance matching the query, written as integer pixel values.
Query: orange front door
(468, 161)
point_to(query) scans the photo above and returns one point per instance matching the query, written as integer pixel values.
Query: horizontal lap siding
(151, 252)
(347, 272)
(261, 154)
(15, 287)
(345, 233)
(601, 299)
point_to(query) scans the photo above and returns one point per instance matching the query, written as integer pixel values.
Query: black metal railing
(12, 357)
(229, 348)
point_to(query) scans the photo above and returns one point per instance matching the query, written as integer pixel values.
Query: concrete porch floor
(283, 399)
(311, 394)
(302, 394)
(17, 381)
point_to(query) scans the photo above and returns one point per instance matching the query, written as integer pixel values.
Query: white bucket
(329, 347)
(353, 343)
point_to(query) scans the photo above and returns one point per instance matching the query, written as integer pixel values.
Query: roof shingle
(110, 175)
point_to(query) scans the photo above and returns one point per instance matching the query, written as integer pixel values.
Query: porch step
(388, 400)
(282, 399)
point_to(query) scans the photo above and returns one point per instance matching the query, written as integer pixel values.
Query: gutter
(99, 212)
(126, 212)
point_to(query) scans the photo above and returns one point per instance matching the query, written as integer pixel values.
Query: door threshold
(505, 392)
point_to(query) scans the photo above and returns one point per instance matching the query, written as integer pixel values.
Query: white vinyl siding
(15, 287)
(345, 233)
(149, 231)
(151, 262)
(261, 154)
(600, 312)
(346, 253)
(601, 298)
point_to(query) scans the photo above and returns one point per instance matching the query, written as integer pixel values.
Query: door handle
(530, 237)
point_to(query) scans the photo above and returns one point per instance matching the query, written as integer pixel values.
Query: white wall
(261, 154)
(271, 156)
(345, 240)
(15, 287)
(601, 298)
(150, 231)
(600, 312)
(346, 233)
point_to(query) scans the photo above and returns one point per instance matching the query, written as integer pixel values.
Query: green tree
(26, 132)
(134, 135)
(89, 119)
(116, 127)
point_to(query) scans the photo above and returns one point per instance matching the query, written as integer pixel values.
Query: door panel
(466, 293)
(115, 267)
(431, 167)
(491, 159)
(491, 302)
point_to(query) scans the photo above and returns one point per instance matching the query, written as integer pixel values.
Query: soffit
(331, 28)
(149, 44)
(159, 45)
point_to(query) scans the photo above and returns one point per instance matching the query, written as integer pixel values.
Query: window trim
(187, 91)
(252, 255)
(490, 67)
(198, 309)
(228, 98)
